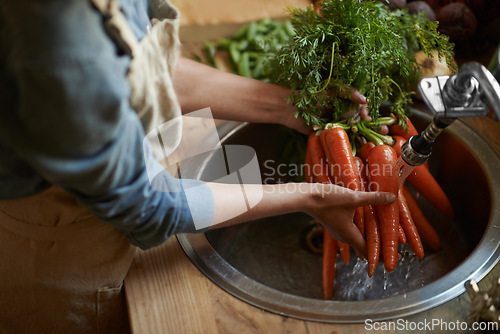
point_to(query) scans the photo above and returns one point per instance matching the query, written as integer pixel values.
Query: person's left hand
(297, 123)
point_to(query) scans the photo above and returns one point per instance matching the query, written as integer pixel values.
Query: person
(81, 83)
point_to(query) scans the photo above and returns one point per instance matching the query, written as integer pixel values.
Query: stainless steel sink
(265, 262)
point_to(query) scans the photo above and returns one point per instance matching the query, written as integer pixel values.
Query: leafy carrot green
(357, 43)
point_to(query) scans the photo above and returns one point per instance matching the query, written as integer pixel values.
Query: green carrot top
(356, 43)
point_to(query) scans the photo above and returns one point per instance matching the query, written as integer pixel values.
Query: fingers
(384, 130)
(297, 124)
(357, 97)
(351, 93)
(350, 234)
(373, 198)
(363, 112)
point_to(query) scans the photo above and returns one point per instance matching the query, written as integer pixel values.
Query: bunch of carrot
(330, 159)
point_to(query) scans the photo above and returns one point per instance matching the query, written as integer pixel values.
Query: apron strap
(117, 26)
(101, 5)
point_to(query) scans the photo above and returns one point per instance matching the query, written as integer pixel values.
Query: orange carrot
(372, 229)
(424, 228)
(380, 162)
(372, 238)
(344, 251)
(398, 143)
(321, 174)
(397, 130)
(317, 159)
(329, 259)
(364, 150)
(338, 151)
(401, 233)
(317, 171)
(422, 181)
(406, 221)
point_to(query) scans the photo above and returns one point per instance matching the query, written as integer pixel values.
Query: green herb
(356, 43)
(251, 47)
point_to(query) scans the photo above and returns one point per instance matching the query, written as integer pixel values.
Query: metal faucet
(464, 94)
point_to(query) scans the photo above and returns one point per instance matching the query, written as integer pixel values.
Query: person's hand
(355, 96)
(346, 92)
(351, 93)
(333, 206)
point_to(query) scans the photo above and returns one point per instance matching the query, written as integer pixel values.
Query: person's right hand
(333, 206)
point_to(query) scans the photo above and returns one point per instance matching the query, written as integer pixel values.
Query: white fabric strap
(101, 5)
(117, 26)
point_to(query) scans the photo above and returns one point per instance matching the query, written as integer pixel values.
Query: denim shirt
(65, 119)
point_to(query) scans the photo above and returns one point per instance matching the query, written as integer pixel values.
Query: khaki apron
(61, 269)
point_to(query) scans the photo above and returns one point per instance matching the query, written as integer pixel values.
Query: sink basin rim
(482, 259)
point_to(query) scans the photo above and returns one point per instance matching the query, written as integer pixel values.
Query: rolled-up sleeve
(74, 126)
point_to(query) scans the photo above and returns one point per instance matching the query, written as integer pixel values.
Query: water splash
(403, 170)
(386, 279)
(352, 281)
(422, 277)
(409, 255)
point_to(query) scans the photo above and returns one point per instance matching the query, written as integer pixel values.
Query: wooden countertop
(166, 293)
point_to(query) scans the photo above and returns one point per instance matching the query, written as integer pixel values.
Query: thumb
(351, 93)
(349, 233)
(373, 198)
(357, 97)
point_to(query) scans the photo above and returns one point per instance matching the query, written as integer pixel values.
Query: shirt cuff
(198, 196)
(201, 203)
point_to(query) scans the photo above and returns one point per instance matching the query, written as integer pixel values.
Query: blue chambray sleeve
(74, 126)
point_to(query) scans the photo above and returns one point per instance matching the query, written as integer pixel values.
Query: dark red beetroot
(394, 4)
(422, 6)
(475, 5)
(481, 10)
(435, 4)
(457, 21)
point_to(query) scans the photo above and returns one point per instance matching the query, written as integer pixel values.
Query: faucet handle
(430, 90)
(436, 92)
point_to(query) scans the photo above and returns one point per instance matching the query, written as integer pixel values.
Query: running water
(403, 170)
